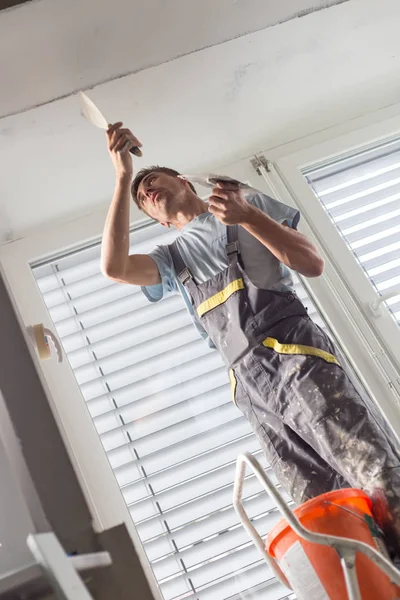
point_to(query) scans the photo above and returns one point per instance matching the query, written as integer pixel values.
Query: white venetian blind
(361, 194)
(161, 403)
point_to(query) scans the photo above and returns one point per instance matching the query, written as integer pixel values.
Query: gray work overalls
(318, 432)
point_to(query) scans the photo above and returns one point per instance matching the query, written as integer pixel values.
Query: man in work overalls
(231, 264)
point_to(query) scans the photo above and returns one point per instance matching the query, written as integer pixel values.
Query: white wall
(15, 520)
(205, 109)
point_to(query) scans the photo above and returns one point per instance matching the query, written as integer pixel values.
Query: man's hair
(147, 171)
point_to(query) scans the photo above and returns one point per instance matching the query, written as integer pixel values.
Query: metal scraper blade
(92, 114)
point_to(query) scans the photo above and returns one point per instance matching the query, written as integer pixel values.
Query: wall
(15, 521)
(41, 444)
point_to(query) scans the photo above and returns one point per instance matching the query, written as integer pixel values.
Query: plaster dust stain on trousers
(318, 430)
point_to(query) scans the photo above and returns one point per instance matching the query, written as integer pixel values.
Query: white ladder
(58, 569)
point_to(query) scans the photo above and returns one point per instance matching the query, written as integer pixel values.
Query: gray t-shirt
(202, 244)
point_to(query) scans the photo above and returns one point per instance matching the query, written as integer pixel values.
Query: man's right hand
(119, 142)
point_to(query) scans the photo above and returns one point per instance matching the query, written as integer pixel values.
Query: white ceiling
(202, 110)
(52, 48)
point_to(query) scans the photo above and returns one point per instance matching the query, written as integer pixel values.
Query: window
(158, 421)
(160, 400)
(361, 194)
(346, 188)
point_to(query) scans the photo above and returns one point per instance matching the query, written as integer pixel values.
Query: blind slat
(149, 421)
(207, 550)
(121, 323)
(100, 314)
(216, 524)
(362, 197)
(152, 385)
(147, 366)
(199, 511)
(193, 445)
(364, 191)
(170, 342)
(195, 467)
(189, 428)
(185, 516)
(356, 218)
(170, 422)
(126, 398)
(249, 583)
(167, 398)
(192, 463)
(237, 560)
(380, 257)
(127, 339)
(357, 167)
(200, 472)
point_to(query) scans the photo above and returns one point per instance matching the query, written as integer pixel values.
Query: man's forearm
(289, 246)
(115, 242)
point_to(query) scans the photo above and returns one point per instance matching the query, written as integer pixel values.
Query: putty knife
(211, 179)
(94, 116)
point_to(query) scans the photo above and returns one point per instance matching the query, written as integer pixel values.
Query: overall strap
(182, 272)
(232, 246)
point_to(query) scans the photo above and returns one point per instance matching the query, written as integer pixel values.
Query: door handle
(40, 337)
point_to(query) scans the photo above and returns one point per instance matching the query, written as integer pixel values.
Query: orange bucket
(315, 571)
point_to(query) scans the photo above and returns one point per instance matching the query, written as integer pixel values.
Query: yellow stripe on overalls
(233, 384)
(221, 297)
(299, 349)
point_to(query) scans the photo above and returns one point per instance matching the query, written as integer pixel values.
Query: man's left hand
(229, 205)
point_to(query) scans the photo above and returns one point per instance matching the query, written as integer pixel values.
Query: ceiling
(66, 46)
(198, 111)
(8, 3)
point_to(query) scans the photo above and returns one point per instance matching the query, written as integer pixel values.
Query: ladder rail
(60, 569)
(345, 547)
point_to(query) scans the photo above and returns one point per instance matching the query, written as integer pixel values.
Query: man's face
(161, 195)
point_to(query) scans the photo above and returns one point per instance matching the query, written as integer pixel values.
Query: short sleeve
(168, 285)
(276, 210)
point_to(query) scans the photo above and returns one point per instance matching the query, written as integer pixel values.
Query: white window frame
(82, 441)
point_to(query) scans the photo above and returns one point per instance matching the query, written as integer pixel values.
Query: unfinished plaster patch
(240, 76)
